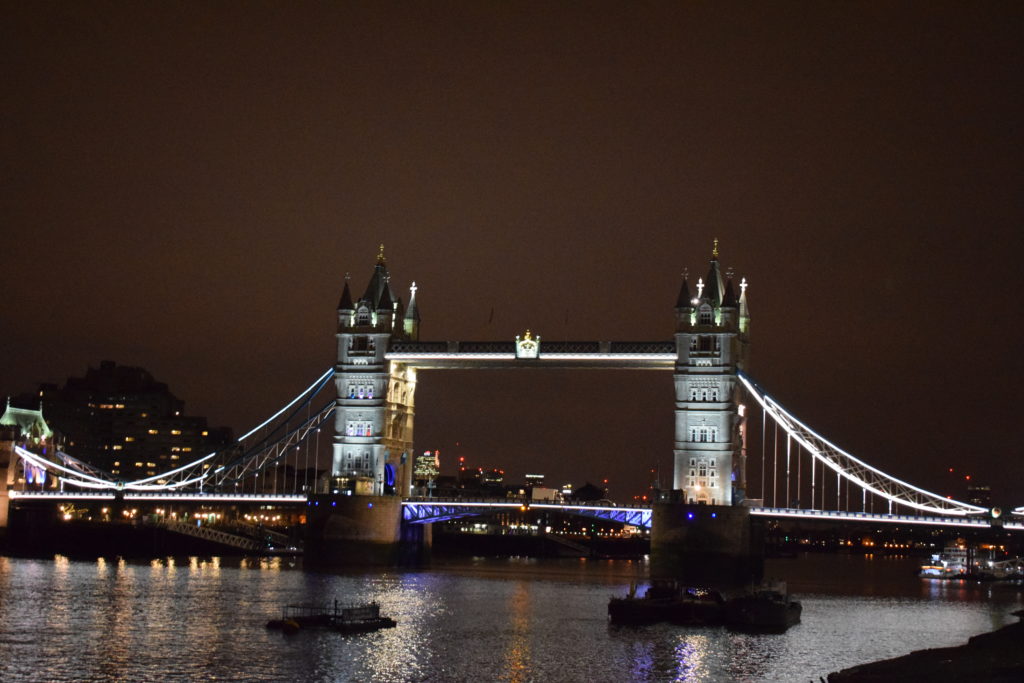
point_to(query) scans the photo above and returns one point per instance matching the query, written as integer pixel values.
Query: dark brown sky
(186, 184)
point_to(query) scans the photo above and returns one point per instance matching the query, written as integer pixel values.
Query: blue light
(714, 514)
(369, 505)
(689, 515)
(334, 503)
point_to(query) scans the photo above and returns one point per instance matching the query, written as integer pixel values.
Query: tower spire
(684, 299)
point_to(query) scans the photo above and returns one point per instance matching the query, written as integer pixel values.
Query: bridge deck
(435, 509)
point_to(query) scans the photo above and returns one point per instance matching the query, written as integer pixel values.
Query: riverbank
(996, 657)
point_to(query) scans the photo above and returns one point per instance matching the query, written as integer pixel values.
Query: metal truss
(265, 455)
(426, 511)
(856, 471)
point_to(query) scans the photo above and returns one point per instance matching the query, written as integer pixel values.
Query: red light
(968, 477)
(950, 469)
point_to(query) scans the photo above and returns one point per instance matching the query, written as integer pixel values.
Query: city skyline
(188, 189)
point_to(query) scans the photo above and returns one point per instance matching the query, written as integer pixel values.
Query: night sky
(185, 186)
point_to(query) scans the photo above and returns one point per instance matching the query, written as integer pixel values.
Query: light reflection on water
(506, 620)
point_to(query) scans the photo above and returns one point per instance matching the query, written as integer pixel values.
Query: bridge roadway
(427, 510)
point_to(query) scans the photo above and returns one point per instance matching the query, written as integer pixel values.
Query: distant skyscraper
(122, 420)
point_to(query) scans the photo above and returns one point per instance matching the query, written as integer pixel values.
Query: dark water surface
(482, 620)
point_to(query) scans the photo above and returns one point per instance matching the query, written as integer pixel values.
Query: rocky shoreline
(994, 657)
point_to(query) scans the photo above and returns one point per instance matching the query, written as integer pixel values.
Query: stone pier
(706, 545)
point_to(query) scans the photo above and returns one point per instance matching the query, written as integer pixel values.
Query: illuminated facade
(373, 450)
(712, 336)
(120, 419)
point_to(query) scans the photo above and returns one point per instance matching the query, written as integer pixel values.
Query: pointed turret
(714, 289)
(346, 298)
(729, 298)
(384, 303)
(684, 300)
(744, 307)
(378, 281)
(411, 324)
(413, 312)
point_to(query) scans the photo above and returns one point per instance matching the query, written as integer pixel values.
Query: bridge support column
(706, 545)
(360, 531)
(7, 468)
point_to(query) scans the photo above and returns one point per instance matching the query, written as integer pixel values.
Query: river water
(467, 620)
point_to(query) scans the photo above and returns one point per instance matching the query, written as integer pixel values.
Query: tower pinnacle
(380, 255)
(714, 250)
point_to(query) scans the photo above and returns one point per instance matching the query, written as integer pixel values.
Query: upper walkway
(660, 355)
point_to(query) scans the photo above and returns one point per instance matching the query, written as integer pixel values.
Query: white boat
(951, 563)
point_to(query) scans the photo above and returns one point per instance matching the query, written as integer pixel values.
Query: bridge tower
(373, 449)
(712, 335)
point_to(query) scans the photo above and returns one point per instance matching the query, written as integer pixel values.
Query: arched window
(705, 316)
(363, 316)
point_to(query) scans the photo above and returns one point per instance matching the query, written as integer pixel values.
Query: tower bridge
(364, 474)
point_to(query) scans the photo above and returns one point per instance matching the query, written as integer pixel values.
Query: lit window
(175, 457)
(129, 438)
(154, 431)
(145, 415)
(205, 433)
(176, 432)
(187, 449)
(118, 446)
(138, 464)
(117, 463)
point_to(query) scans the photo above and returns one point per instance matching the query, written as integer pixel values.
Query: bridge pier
(706, 545)
(361, 531)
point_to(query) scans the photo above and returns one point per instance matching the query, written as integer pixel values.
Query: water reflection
(200, 618)
(690, 654)
(517, 652)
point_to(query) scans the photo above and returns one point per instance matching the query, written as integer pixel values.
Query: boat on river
(336, 617)
(667, 601)
(765, 609)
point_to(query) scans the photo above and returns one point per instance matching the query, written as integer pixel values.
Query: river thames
(466, 620)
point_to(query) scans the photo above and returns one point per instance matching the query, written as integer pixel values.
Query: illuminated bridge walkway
(282, 462)
(429, 510)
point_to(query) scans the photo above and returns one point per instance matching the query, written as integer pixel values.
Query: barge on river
(336, 617)
(766, 608)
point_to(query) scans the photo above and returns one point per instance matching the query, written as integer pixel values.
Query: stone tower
(712, 335)
(373, 418)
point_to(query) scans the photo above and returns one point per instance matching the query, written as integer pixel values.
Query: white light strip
(48, 465)
(218, 497)
(965, 508)
(450, 504)
(63, 495)
(570, 508)
(663, 357)
(866, 517)
(181, 497)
